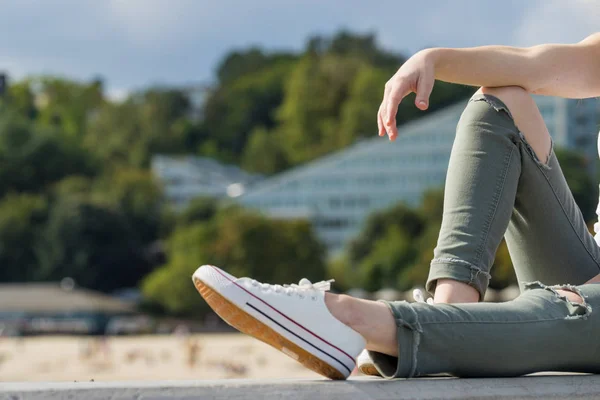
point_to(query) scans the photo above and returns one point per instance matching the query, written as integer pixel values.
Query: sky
(137, 43)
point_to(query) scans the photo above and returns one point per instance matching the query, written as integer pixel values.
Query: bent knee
(526, 116)
(506, 93)
(517, 99)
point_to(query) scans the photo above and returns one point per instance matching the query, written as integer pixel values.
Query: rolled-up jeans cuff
(457, 270)
(409, 336)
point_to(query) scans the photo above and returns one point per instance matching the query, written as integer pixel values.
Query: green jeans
(496, 187)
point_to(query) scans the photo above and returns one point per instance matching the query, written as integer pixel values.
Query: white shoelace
(419, 298)
(303, 288)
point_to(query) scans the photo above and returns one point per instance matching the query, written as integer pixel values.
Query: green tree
(153, 121)
(349, 44)
(170, 287)
(360, 108)
(233, 110)
(314, 95)
(386, 246)
(238, 64)
(377, 225)
(21, 100)
(91, 243)
(264, 153)
(32, 158)
(137, 196)
(200, 209)
(65, 104)
(393, 253)
(431, 212)
(22, 218)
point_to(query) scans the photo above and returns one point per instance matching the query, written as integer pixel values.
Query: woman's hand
(416, 75)
(563, 70)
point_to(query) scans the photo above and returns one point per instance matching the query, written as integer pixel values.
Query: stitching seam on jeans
(497, 194)
(416, 342)
(414, 327)
(546, 165)
(562, 206)
(452, 260)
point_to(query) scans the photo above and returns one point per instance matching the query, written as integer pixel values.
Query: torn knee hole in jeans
(579, 308)
(495, 102)
(499, 106)
(535, 157)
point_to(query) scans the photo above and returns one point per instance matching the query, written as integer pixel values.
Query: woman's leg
(503, 179)
(541, 330)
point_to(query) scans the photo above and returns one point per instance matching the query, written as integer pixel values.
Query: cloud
(558, 21)
(151, 22)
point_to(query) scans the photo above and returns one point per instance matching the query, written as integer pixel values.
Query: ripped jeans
(538, 331)
(496, 187)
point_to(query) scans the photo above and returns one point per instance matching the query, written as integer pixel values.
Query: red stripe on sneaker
(264, 314)
(282, 314)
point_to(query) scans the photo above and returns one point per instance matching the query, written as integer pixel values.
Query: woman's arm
(551, 69)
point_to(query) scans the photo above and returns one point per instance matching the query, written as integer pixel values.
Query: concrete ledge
(531, 387)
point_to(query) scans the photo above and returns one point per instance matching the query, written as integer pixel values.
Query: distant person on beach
(503, 180)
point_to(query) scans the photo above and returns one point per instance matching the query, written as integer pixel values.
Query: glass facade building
(338, 192)
(184, 178)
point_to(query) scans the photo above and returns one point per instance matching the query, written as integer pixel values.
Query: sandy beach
(205, 356)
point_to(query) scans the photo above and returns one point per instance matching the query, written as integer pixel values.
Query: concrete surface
(531, 387)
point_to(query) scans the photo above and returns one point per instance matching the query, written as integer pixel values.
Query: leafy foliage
(93, 244)
(32, 158)
(22, 220)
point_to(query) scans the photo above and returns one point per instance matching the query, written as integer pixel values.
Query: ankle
(372, 320)
(343, 308)
(451, 291)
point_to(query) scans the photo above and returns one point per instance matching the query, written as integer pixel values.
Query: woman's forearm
(550, 69)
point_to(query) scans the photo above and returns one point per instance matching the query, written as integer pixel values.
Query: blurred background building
(188, 177)
(574, 125)
(53, 308)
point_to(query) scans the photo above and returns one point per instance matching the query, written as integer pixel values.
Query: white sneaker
(292, 318)
(365, 362)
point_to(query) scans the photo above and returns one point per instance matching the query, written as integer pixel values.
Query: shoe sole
(246, 323)
(369, 370)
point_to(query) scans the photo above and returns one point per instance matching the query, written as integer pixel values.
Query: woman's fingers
(416, 75)
(381, 129)
(424, 88)
(392, 101)
(382, 110)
